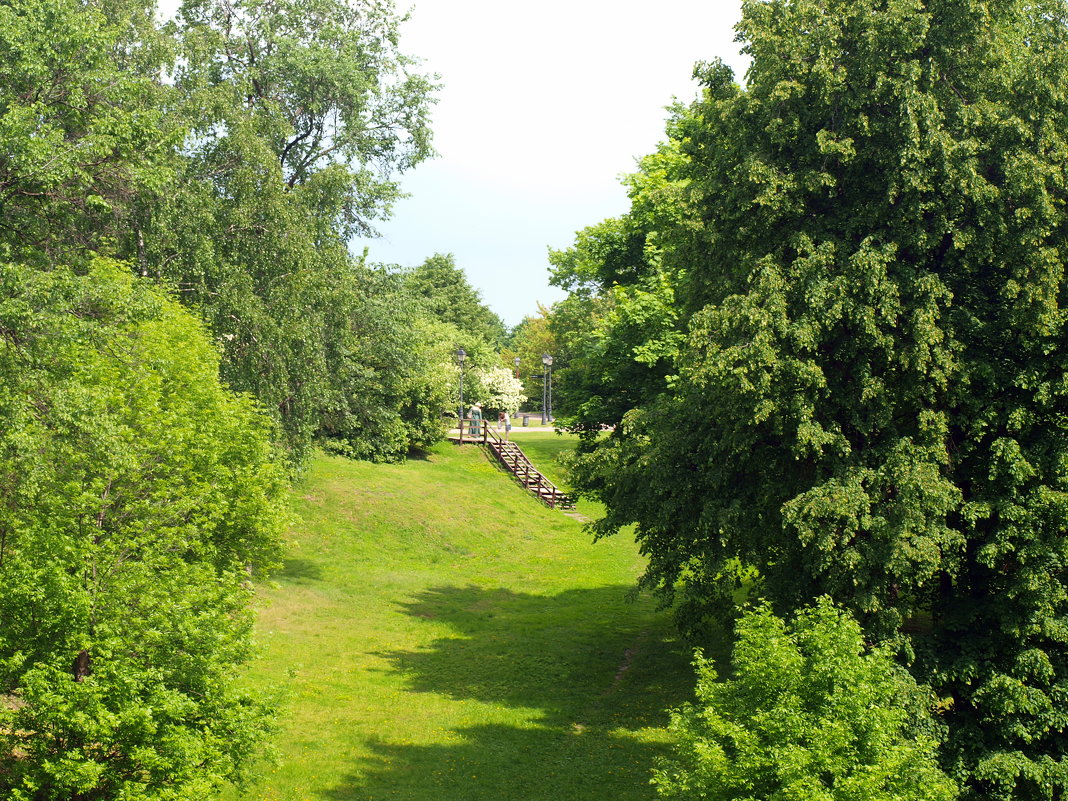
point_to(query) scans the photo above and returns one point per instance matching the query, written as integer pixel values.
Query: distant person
(476, 420)
(504, 424)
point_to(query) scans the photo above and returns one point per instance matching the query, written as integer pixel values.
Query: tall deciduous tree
(82, 123)
(530, 341)
(619, 330)
(323, 82)
(137, 498)
(871, 399)
(300, 116)
(449, 296)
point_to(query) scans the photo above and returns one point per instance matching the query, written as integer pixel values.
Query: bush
(809, 715)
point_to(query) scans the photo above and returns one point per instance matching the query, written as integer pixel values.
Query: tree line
(181, 322)
(830, 341)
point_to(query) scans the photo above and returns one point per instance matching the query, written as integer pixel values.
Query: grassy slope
(451, 638)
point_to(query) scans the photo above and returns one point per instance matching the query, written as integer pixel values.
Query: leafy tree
(299, 115)
(391, 366)
(138, 497)
(238, 180)
(449, 297)
(809, 714)
(82, 122)
(870, 401)
(497, 389)
(325, 86)
(619, 330)
(530, 340)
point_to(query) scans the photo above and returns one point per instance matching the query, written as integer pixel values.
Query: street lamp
(461, 354)
(547, 389)
(515, 361)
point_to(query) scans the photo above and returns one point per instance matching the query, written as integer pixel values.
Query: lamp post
(461, 354)
(515, 361)
(547, 389)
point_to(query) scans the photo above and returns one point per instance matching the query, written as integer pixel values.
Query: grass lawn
(445, 636)
(546, 449)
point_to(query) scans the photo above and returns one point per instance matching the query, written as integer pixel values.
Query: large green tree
(323, 84)
(391, 368)
(137, 499)
(619, 329)
(871, 399)
(300, 114)
(449, 297)
(237, 180)
(83, 123)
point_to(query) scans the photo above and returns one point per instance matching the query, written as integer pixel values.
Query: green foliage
(82, 124)
(449, 297)
(237, 180)
(868, 262)
(325, 87)
(809, 714)
(530, 340)
(619, 331)
(299, 113)
(138, 496)
(390, 368)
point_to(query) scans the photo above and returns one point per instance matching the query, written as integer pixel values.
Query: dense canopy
(867, 258)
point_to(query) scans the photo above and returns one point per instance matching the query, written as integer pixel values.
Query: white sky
(543, 106)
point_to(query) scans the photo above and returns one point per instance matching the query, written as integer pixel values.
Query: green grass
(545, 449)
(445, 636)
(548, 450)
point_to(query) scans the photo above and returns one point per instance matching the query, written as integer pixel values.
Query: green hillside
(445, 636)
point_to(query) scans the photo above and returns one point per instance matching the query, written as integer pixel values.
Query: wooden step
(512, 457)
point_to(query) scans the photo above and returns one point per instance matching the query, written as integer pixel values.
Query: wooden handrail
(518, 464)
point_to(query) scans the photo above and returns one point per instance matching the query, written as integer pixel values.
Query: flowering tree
(497, 389)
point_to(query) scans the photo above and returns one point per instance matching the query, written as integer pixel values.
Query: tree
(870, 400)
(449, 297)
(138, 498)
(619, 330)
(238, 180)
(391, 366)
(300, 114)
(808, 713)
(82, 124)
(530, 340)
(323, 83)
(497, 389)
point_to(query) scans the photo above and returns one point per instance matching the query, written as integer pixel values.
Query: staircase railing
(512, 457)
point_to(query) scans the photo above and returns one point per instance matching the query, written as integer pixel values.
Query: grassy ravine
(445, 636)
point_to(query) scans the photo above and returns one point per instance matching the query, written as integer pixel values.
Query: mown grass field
(445, 636)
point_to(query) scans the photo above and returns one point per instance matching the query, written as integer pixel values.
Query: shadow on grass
(593, 672)
(505, 763)
(583, 656)
(300, 571)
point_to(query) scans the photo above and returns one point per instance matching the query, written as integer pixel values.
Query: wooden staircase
(513, 459)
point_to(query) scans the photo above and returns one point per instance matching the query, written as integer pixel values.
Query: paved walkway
(520, 427)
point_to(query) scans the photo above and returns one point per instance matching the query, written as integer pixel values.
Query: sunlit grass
(446, 636)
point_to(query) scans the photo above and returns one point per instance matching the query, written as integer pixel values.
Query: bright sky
(543, 106)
